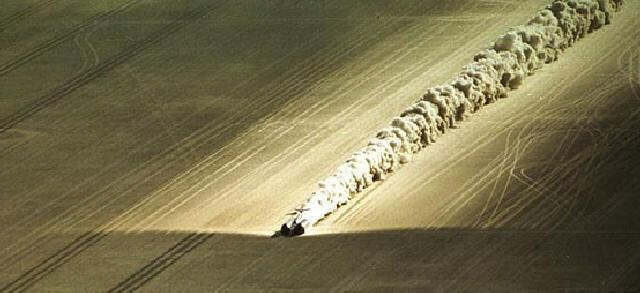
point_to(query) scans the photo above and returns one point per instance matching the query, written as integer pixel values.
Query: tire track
(561, 91)
(13, 143)
(158, 265)
(36, 273)
(50, 264)
(585, 157)
(591, 163)
(591, 160)
(553, 178)
(514, 149)
(97, 71)
(25, 13)
(54, 42)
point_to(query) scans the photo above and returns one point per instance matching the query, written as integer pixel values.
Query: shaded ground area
(441, 260)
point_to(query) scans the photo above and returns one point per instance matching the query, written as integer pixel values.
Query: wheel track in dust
(604, 209)
(27, 279)
(6, 170)
(552, 177)
(91, 74)
(516, 148)
(22, 14)
(133, 50)
(633, 62)
(508, 150)
(159, 264)
(549, 179)
(26, 197)
(84, 66)
(54, 42)
(590, 171)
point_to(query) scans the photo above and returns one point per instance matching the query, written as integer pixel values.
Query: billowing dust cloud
(494, 72)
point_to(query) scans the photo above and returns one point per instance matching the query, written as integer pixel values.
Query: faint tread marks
(50, 264)
(22, 14)
(80, 244)
(161, 263)
(92, 73)
(53, 42)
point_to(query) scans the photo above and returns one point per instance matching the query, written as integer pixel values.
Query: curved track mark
(95, 72)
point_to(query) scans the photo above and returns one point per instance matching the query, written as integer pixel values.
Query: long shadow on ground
(443, 260)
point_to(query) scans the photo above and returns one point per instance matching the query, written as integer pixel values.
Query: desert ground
(157, 146)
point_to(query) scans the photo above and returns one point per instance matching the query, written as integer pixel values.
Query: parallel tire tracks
(161, 263)
(54, 42)
(22, 14)
(97, 71)
(29, 278)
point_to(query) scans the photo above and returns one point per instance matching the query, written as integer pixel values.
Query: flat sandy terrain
(157, 145)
